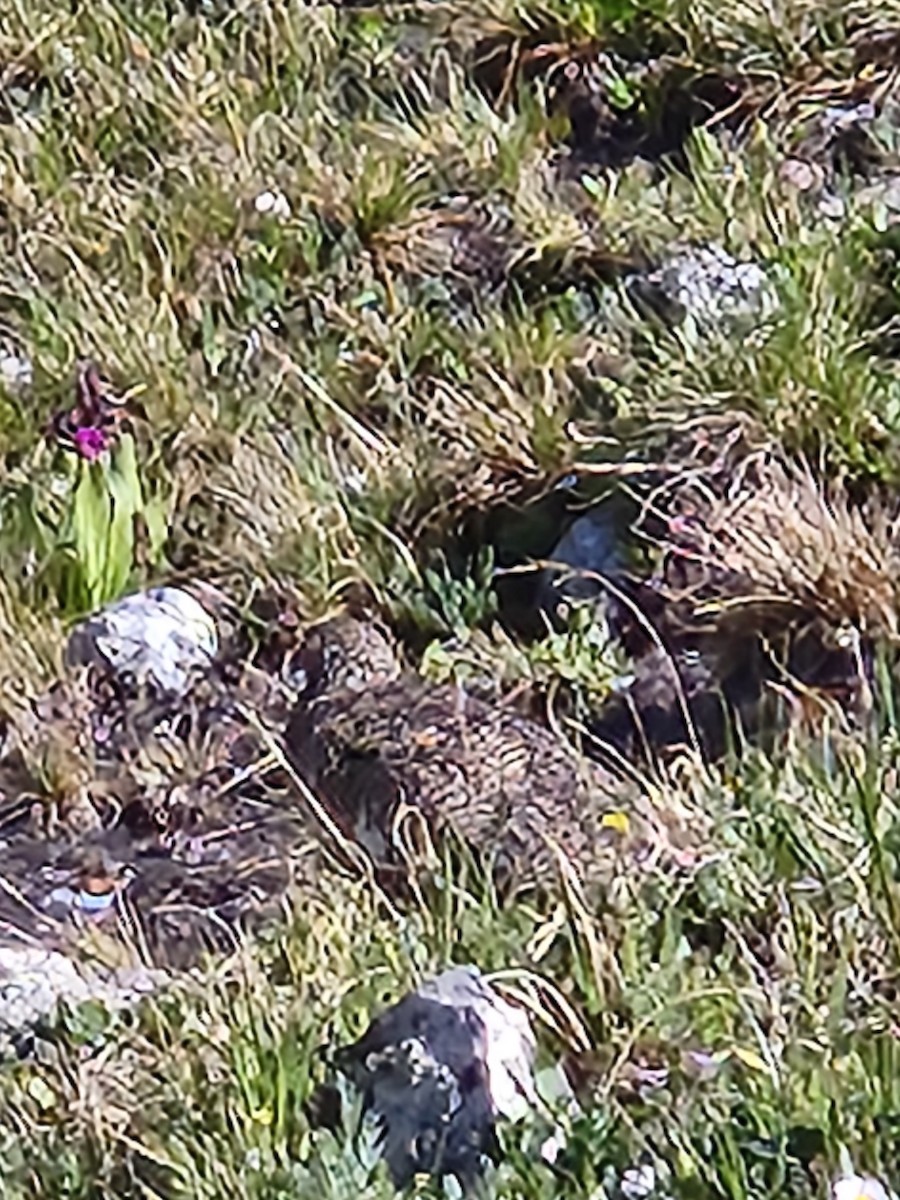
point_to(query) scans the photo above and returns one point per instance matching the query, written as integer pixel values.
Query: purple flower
(91, 441)
(92, 425)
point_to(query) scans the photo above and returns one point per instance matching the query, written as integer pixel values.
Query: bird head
(345, 652)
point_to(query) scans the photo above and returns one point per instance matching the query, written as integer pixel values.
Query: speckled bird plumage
(505, 785)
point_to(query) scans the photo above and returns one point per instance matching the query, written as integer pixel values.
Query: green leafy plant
(85, 530)
(460, 602)
(107, 512)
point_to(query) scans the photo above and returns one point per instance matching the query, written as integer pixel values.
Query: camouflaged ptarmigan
(371, 739)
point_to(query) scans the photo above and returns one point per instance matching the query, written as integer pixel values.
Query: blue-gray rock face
(590, 550)
(437, 1069)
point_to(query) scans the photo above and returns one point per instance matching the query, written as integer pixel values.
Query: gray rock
(159, 636)
(438, 1068)
(839, 118)
(34, 982)
(589, 548)
(706, 288)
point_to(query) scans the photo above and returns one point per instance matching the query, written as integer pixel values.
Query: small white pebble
(16, 371)
(838, 118)
(859, 1187)
(638, 1182)
(355, 480)
(553, 1146)
(272, 204)
(833, 207)
(65, 55)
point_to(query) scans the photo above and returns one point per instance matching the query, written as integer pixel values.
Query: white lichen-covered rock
(510, 1045)
(707, 289)
(438, 1068)
(35, 981)
(160, 636)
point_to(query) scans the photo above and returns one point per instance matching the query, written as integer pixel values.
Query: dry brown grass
(778, 540)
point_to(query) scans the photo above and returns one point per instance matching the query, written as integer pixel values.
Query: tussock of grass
(775, 537)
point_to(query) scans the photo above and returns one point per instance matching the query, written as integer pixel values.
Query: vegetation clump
(311, 310)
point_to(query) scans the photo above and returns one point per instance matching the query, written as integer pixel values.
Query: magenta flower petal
(90, 442)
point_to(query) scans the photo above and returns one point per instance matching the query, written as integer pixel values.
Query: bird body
(506, 786)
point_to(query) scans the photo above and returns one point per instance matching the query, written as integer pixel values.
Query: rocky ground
(558, 345)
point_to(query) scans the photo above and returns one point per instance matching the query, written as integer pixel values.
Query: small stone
(707, 288)
(833, 207)
(859, 1187)
(16, 371)
(638, 1183)
(61, 897)
(838, 118)
(802, 175)
(272, 204)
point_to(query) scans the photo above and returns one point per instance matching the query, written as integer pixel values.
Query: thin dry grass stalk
(31, 648)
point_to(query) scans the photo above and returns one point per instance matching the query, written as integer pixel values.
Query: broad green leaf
(126, 498)
(156, 514)
(90, 518)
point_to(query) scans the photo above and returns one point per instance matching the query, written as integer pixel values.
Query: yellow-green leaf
(750, 1059)
(41, 1093)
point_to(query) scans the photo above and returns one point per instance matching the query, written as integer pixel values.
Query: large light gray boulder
(160, 636)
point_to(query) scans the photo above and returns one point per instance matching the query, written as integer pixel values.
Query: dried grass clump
(245, 507)
(44, 723)
(777, 546)
(469, 243)
(31, 653)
